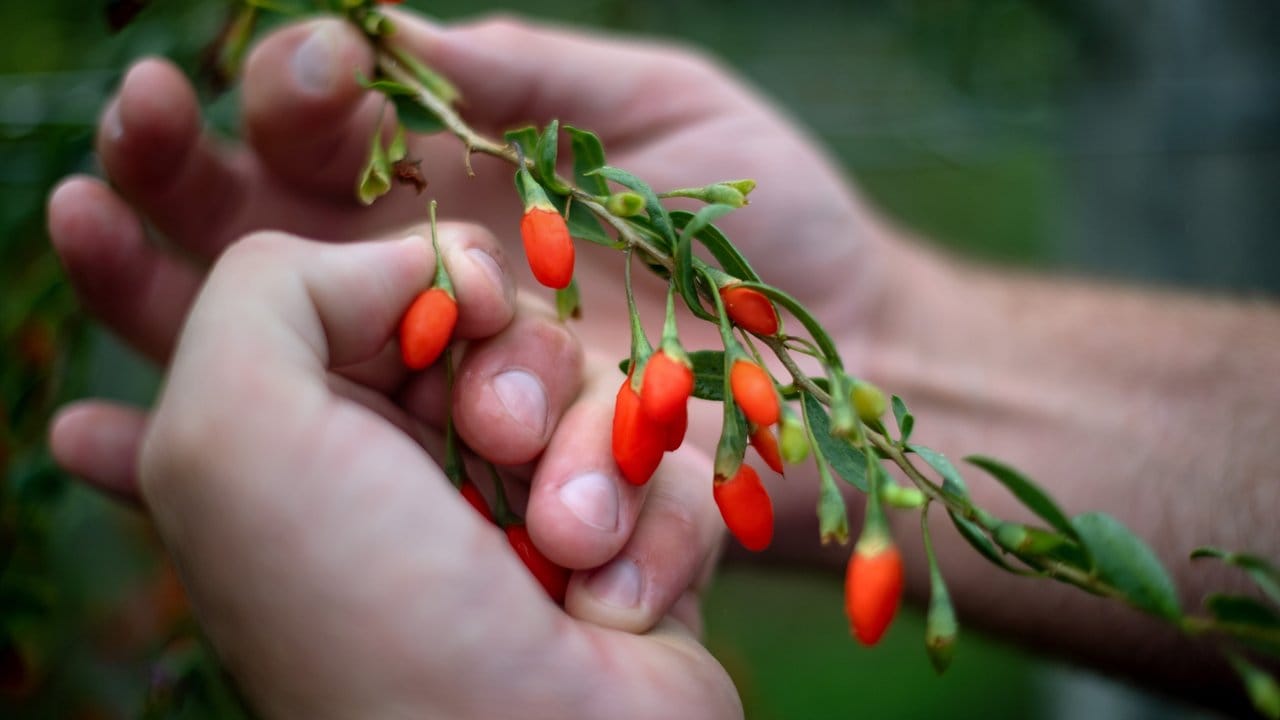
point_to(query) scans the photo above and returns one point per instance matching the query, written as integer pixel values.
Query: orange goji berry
(553, 578)
(745, 506)
(676, 429)
(753, 391)
(872, 588)
(638, 440)
(750, 310)
(472, 495)
(668, 383)
(547, 246)
(766, 445)
(426, 328)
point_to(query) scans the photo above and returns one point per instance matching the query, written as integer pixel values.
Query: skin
(1166, 397)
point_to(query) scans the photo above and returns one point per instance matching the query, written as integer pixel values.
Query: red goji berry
(426, 328)
(872, 588)
(547, 246)
(638, 440)
(676, 429)
(753, 391)
(745, 506)
(750, 310)
(766, 445)
(668, 383)
(472, 495)
(553, 578)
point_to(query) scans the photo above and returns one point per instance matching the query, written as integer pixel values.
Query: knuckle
(503, 27)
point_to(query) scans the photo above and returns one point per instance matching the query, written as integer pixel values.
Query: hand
(665, 113)
(334, 568)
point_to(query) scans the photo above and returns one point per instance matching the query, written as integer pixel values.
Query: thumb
(512, 71)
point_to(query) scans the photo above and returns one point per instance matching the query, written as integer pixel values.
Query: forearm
(1155, 408)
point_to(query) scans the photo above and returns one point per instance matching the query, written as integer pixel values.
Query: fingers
(511, 71)
(136, 289)
(98, 442)
(152, 147)
(675, 539)
(581, 512)
(305, 113)
(513, 388)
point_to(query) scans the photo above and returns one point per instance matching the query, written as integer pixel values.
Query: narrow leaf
(1263, 691)
(978, 540)
(844, 458)
(1125, 562)
(1263, 573)
(906, 421)
(544, 159)
(1026, 491)
(588, 156)
(1243, 610)
(952, 482)
(658, 216)
(414, 117)
(525, 137)
(731, 260)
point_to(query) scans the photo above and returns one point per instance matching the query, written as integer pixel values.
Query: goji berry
(753, 391)
(872, 588)
(745, 506)
(638, 440)
(676, 429)
(426, 328)
(472, 495)
(547, 246)
(750, 310)
(668, 383)
(868, 401)
(766, 445)
(553, 578)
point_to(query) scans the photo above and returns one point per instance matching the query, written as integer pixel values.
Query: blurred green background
(1108, 137)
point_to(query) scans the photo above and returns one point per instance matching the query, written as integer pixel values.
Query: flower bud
(792, 440)
(624, 204)
(868, 401)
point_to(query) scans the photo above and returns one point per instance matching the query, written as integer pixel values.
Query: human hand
(668, 114)
(335, 570)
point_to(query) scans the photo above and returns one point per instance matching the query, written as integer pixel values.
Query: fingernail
(315, 59)
(524, 399)
(112, 125)
(593, 499)
(489, 266)
(617, 584)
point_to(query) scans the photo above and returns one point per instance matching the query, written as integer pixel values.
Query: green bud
(1029, 541)
(744, 186)
(940, 633)
(725, 195)
(895, 495)
(868, 401)
(624, 204)
(792, 440)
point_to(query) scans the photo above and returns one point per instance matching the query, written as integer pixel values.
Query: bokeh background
(1120, 138)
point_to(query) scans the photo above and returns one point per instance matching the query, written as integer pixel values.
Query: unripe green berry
(792, 440)
(624, 204)
(725, 195)
(868, 401)
(895, 495)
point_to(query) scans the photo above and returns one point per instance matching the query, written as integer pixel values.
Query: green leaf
(1263, 691)
(906, 421)
(1263, 573)
(731, 260)
(390, 88)
(952, 482)
(815, 329)
(544, 159)
(1243, 610)
(658, 216)
(414, 117)
(375, 179)
(569, 302)
(525, 137)
(588, 156)
(708, 373)
(584, 225)
(686, 279)
(1124, 561)
(978, 540)
(1026, 491)
(843, 457)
